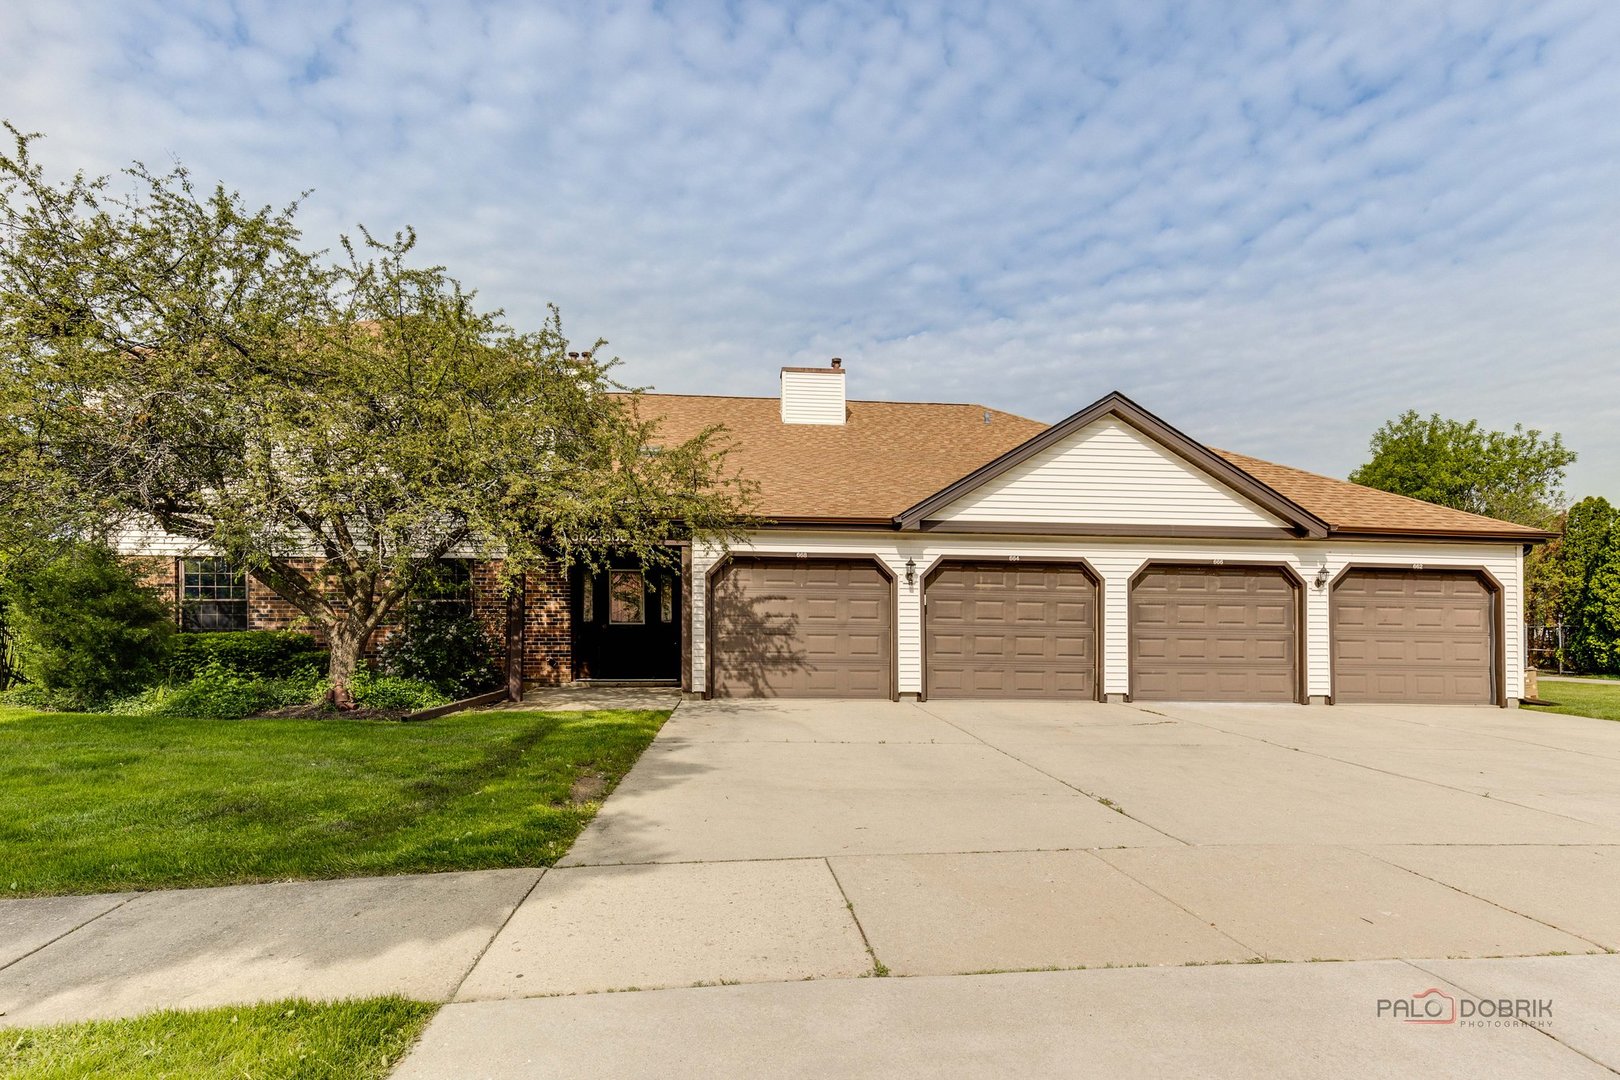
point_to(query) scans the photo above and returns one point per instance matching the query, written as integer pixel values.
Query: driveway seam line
(1034, 850)
(1485, 899)
(1385, 772)
(849, 905)
(72, 930)
(465, 975)
(1454, 984)
(1072, 787)
(1183, 907)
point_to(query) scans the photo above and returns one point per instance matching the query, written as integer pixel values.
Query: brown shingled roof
(1352, 508)
(890, 455)
(886, 456)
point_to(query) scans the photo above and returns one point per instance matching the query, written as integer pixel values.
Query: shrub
(28, 696)
(219, 693)
(395, 694)
(87, 627)
(265, 654)
(444, 645)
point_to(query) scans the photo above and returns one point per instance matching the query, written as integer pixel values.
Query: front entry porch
(627, 622)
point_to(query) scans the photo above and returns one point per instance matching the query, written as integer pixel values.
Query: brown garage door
(1214, 633)
(1415, 636)
(1005, 630)
(802, 628)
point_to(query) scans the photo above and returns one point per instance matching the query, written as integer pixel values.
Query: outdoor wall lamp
(1322, 577)
(911, 571)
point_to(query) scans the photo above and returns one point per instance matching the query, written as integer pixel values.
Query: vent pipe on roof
(813, 395)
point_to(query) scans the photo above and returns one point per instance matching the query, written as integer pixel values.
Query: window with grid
(213, 596)
(446, 582)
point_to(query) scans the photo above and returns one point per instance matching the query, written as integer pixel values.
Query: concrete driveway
(770, 843)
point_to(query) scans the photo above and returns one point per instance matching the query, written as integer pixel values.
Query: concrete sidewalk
(92, 957)
(1310, 1021)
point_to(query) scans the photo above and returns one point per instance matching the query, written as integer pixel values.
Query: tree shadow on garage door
(757, 652)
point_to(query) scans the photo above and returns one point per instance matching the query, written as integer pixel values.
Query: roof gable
(1113, 466)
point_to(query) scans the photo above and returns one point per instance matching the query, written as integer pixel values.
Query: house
(951, 551)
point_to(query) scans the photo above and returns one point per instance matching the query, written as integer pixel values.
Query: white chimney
(813, 395)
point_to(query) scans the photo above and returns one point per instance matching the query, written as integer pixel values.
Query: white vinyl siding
(1108, 473)
(150, 540)
(1116, 562)
(813, 397)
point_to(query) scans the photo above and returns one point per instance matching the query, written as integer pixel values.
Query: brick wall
(547, 628)
(489, 599)
(548, 642)
(158, 573)
(268, 611)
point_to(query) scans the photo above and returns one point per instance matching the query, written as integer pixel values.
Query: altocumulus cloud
(1275, 226)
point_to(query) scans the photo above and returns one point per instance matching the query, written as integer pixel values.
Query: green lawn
(344, 1040)
(1599, 699)
(93, 803)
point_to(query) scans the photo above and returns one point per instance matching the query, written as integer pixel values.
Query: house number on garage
(1012, 558)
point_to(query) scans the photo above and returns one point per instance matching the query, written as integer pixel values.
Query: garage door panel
(988, 611)
(1075, 647)
(802, 628)
(1271, 651)
(1423, 636)
(1026, 631)
(1030, 647)
(988, 646)
(1031, 612)
(1231, 634)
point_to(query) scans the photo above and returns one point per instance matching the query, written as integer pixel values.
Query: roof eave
(1522, 535)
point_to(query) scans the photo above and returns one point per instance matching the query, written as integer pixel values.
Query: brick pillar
(548, 642)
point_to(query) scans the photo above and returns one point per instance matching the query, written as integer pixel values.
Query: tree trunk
(347, 645)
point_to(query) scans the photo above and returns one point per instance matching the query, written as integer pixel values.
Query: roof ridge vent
(814, 395)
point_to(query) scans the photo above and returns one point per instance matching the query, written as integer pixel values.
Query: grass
(1599, 699)
(351, 1040)
(95, 803)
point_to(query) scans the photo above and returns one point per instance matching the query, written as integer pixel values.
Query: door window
(627, 598)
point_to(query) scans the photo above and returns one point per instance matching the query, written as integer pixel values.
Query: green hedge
(265, 654)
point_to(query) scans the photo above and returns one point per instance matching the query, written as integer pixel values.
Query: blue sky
(1274, 225)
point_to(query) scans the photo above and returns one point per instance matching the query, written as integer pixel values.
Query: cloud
(1277, 227)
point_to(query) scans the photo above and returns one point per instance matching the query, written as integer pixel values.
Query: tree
(175, 360)
(1515, 476)
(1578, 585)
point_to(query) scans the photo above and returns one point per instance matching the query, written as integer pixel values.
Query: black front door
(627, 622)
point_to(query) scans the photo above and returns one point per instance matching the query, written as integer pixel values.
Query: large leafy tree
(173, 359)
(1513, 475)
(1578, 585)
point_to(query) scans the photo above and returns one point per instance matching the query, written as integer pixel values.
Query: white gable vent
(813, 395)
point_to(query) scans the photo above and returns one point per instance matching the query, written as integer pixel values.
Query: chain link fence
(1544, 647)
